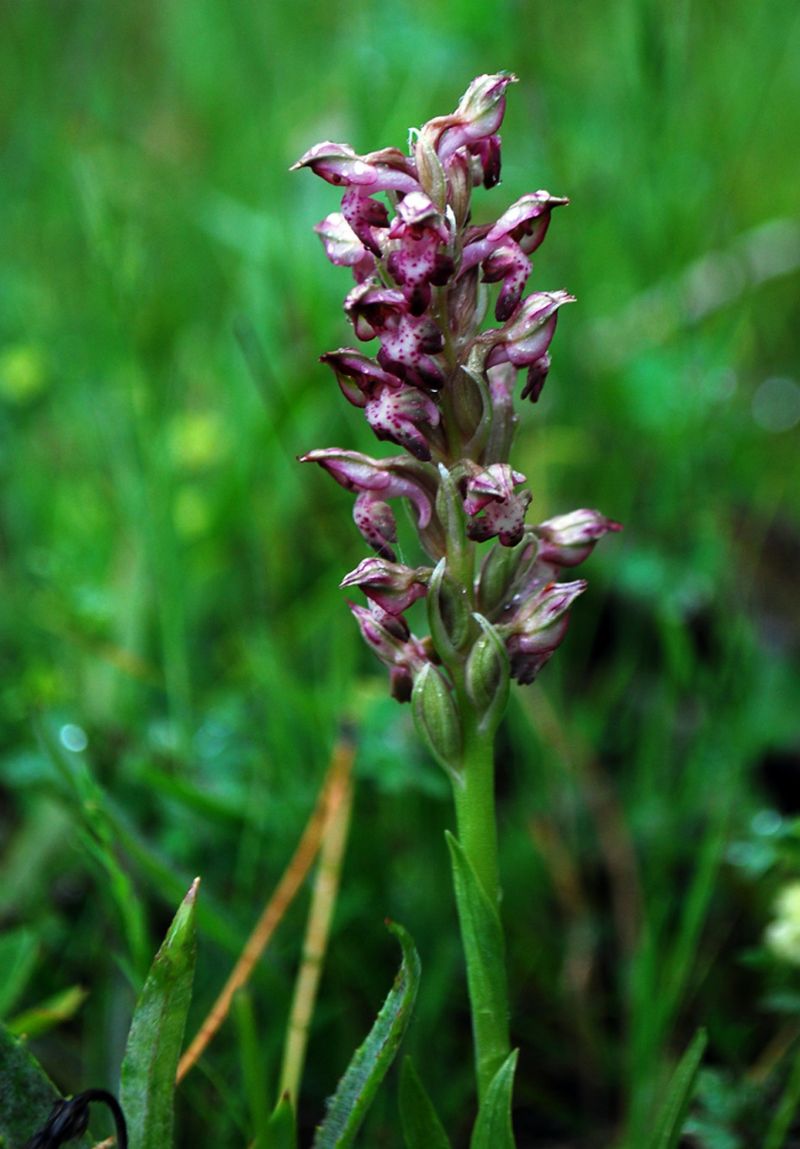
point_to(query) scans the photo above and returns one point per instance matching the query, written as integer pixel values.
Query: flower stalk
(440, 387)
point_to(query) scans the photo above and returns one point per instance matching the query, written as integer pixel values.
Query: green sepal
(436, 718)
(681, 1089)
(484, 951)
(422, 1128)
(493, 1128)
(147, 1088)
(26, 1094)
(488, 676)
(367, 1069)
(281, 1132)
(449, 615)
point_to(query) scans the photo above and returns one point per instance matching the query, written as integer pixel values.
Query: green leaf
(156, 1035)
(26, 1094)
(785, 1109)
(281, 1127)
(493, 1127)
(422, 1128)
(681, 1089)
(46, 1014)
(18, 950)
(484, 951)
(356, 1091)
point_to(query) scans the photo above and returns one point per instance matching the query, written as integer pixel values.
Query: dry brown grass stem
(332, 793)
(315, 943)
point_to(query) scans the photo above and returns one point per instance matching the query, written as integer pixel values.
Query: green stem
(485, 955)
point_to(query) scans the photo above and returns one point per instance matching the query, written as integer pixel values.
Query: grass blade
(681, 1088)
(422, 1128)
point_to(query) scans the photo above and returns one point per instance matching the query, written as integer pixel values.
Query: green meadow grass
(177, 658)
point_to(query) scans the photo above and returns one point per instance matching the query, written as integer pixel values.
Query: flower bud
(389, 638)
(535, 626)
(488, 675)
(391, 585)
(436, 717)
(528, 334)
(479, 113)
(567, 540)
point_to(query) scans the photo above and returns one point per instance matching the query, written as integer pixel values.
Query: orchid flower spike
(434, 382)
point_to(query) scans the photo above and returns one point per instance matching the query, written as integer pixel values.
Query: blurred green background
(176, 655)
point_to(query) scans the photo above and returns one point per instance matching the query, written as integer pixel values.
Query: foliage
(176, 657)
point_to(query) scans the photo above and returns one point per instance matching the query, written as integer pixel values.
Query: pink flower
(392, 586)
(375, 480)
(494, 507)
(389, 637)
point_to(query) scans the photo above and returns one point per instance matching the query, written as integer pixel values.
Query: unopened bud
(436, 717)
(568, 539)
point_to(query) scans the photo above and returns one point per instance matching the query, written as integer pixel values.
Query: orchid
(439, 384)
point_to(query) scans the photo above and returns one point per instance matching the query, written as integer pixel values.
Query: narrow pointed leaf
(26, 1094)
(156, 1034)
(493, 1127)
(356, 1091)
(484, 950)
(281, 1127)
(422, 1128)
(681, 1089)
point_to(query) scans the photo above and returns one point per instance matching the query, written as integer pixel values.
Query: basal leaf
(26, 1094)
(493, 1127)
(156, 1034)
(354, 1095)
(681, 1089)
(422, 1128)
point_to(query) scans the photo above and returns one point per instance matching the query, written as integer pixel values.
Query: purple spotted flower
(434, 380)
